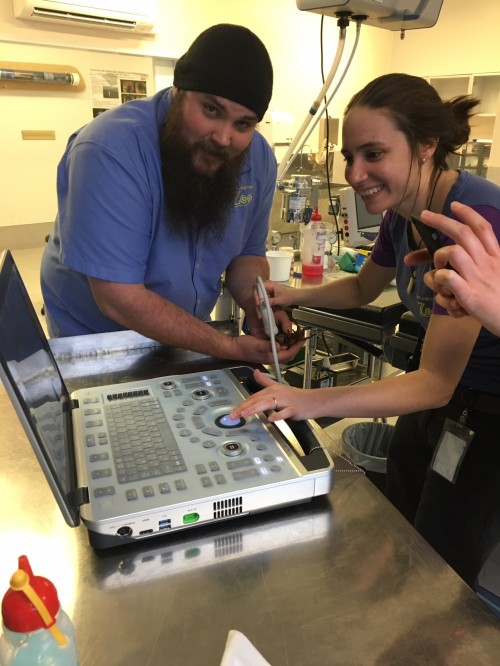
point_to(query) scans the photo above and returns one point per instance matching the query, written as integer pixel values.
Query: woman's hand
(279, 294)
(272, 289)
(286, 402)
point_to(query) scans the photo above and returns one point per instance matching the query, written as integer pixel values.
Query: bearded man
(159, 197)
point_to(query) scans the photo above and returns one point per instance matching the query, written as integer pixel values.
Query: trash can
(366, 445)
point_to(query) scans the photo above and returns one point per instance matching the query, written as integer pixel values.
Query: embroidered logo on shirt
(243, 196)
(424, 308)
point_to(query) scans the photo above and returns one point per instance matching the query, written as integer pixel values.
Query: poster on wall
(111, 88)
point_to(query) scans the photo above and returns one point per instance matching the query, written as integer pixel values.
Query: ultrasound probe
(269, 324)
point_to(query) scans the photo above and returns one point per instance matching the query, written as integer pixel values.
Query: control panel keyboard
(173, 436)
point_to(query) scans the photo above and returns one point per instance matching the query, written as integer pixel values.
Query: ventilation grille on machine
(229, 507)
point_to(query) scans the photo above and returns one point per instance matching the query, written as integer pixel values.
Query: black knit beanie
(229, 61)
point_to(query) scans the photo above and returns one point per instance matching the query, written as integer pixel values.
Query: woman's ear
(427, 150)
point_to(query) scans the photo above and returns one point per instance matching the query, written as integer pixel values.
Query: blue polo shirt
(112, 221)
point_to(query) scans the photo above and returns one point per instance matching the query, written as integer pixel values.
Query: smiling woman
(397, 135)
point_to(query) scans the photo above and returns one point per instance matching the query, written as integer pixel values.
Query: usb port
(165, 524)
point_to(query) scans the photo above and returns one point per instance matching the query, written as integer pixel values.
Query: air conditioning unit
(388, 14)
(133, 16)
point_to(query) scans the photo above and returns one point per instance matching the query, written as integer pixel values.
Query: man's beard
(196, 202)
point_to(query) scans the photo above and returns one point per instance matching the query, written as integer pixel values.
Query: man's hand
(257, 350)
(148, 313)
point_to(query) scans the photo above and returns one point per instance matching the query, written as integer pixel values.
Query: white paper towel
(240, 652)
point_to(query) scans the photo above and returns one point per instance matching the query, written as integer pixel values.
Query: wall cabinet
(474, 157)
(486, 87)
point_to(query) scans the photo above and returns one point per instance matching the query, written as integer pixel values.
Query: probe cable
(290, 154)
(317, 116)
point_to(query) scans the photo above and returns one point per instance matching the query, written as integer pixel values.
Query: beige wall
(461, 42)
(28, 168)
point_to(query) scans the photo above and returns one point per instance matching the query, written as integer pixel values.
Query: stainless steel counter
(343, 580)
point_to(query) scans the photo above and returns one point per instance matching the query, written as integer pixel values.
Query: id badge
(451, 449)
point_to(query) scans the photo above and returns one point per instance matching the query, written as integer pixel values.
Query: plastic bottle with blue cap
(36, 630)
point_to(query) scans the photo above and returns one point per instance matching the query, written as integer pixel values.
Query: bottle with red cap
(36, 630)
(313, 243)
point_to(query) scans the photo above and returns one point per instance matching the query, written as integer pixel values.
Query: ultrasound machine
(142, 458)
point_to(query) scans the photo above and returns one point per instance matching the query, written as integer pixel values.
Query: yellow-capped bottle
(35, 628)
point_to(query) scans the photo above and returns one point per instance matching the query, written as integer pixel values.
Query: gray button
(101, 473)
(92, 411)
(131, 494)
(98, 457)
(245, 474)
(222, 402)
(89, 440)
(237, 464)
(95, 423)
(104, 492)
(210, 430)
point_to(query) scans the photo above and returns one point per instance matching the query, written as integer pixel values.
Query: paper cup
(280, 264)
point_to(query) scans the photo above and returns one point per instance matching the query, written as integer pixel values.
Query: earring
(423, 160)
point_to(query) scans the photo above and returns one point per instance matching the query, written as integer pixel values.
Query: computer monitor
(358, 226)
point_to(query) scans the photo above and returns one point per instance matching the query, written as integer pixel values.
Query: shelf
(486, 87)
(41, 77)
